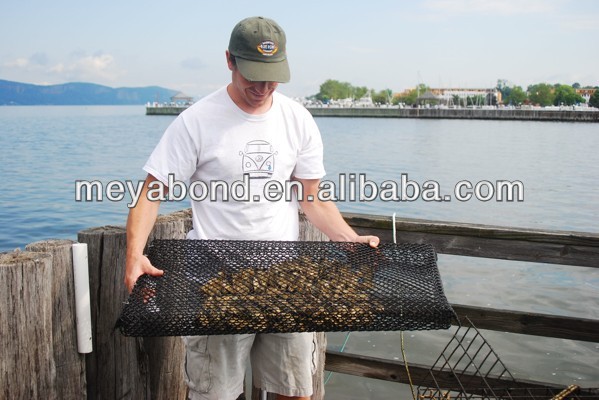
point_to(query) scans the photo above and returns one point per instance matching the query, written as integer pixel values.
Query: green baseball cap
(258, 45)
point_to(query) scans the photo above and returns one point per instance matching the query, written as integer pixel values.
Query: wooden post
(166, 355)
(125, 367)
(116, 367)
(309, 232)
(27, 368)
(70, 365)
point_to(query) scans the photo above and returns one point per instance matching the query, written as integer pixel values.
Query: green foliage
(382, 97)
(411, 97)
(332, 89)
(359, 92)
(502, 86)
(478, 100)
(407, 98)
(566, 95)
(594, 100)
(335, 90)
(541, 94)
(515, 96)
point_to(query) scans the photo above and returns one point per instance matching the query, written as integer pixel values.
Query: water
(46, 149)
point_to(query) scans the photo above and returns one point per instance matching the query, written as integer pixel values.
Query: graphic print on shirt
(258, 159)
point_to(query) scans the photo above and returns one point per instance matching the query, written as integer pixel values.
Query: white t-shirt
(215, 141)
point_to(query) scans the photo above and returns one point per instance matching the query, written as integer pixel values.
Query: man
(245, 130)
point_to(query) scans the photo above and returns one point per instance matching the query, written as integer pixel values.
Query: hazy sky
(379, 44)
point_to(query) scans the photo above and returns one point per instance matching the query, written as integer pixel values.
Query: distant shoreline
(506, 114)
(458, 113)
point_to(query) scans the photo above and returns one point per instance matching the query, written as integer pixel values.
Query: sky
(395, 45)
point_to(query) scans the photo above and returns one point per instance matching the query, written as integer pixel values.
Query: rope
(403, 350)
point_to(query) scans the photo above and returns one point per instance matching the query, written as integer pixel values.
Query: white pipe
(82, 302)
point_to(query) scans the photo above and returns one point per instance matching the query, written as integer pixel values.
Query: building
(586, 93)
(182, 99)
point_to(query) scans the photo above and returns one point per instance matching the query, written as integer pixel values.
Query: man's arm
(326, 216)
(139, 225)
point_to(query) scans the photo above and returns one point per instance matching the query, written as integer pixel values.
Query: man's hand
(139, 225)
(373, 241)
(326, 216)
(136, 267)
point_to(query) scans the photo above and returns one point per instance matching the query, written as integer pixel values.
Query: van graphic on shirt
(258, 159)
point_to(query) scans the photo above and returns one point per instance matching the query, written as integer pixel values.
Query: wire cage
(212, 287)
(469, 369)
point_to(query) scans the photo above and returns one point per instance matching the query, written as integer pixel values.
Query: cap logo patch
(267, 48)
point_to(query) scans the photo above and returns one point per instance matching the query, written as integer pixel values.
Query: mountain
(16, 93)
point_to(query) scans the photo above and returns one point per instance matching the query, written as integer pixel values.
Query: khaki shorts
(281, 363)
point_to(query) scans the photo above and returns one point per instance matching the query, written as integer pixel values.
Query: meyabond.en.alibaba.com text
(350, 187)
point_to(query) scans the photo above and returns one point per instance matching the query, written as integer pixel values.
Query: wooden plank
(421, 375)
(70, 365)
(527, 323)
(478, 230)
(534, 245)
(126, 367)
(395, 371)
(166, 355)
(27, 367)
(119, 373)
(116, 368)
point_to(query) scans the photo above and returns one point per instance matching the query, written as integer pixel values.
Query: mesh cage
(469, 369)
(212, 287)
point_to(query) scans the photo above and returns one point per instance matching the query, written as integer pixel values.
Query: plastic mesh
(212, 287)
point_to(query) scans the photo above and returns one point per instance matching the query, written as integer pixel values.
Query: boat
(179, 103)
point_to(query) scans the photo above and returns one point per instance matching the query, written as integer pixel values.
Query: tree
(411, 96)
(504, 88)
(594, 100)
(382, 97)
(566, 95)
(541, 94)
(516, 96)
(333, 90)
(359, 92)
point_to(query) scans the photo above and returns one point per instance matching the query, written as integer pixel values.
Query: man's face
(251, 97)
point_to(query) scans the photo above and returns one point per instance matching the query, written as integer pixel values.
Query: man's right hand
(139, 225)
(136, 267)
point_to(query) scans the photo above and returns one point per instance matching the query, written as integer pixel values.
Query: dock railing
(37, 320)
(474, 240)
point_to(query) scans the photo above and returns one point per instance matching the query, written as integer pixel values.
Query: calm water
(46, 149)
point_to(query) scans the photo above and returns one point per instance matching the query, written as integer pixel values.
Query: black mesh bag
(213, 287)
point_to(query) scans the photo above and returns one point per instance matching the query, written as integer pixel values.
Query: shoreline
(458, 113)
(430, 113)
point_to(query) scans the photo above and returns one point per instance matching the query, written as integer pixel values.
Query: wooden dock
(458, 113)
(165, 110)
(38, 349)
(428, 113)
